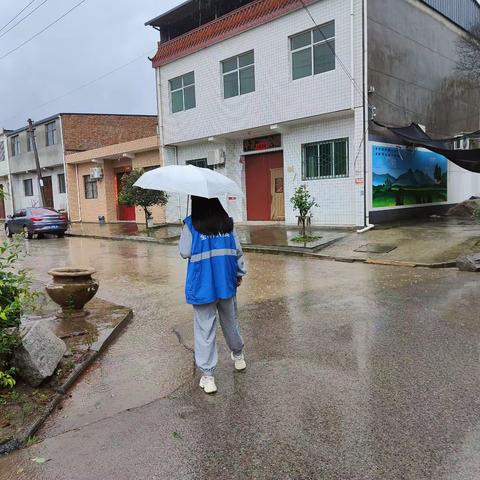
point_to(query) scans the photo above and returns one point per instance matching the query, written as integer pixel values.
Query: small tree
(130, 195)
(303, 202)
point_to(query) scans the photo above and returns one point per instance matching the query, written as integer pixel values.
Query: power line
(17, 15)
(23, 18)
(43, 30)
(84, 85)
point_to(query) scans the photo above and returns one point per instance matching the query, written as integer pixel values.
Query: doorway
(2, 202)
(126, 213)
(48, 191)
(264, 182)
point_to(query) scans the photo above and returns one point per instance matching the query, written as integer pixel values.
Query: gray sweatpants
(204, 327)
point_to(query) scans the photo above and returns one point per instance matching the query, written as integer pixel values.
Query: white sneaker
(208, 384)
(239, 361)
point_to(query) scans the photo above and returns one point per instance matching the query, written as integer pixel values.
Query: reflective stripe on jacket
(214, 263)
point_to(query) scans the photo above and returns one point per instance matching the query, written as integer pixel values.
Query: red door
(125, 212)
(259, 183)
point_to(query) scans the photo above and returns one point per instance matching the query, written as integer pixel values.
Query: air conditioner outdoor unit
(216, 157)
(96, 173)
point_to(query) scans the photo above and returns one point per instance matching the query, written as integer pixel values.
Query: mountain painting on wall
(403, 177)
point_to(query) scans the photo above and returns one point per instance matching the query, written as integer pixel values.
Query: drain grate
(376, 248)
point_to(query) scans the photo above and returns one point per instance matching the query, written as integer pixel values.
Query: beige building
(94, 178)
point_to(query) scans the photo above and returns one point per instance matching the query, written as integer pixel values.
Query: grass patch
(304, 239)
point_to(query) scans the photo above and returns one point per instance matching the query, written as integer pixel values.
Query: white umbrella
(201, 182)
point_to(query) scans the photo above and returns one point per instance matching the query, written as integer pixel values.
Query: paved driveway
(355, 372)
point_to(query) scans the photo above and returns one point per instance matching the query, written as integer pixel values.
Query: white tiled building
(6, 207)
(270, 91)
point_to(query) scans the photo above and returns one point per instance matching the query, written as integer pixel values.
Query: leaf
(40, 460)
(177, 435)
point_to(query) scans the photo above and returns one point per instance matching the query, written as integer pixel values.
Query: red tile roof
(231, 24)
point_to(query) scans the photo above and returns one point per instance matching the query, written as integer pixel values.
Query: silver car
(36, 221)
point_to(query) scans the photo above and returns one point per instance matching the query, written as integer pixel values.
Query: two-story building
(58, 136)
(278, 93)
(5, 190)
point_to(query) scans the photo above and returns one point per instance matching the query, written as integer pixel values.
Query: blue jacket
(214, 263)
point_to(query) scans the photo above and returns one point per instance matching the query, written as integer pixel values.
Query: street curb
(292, 251)
(22, 436)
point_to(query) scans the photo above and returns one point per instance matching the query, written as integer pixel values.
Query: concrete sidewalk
(435, 242)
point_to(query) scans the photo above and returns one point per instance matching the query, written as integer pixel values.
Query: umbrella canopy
(201, 182)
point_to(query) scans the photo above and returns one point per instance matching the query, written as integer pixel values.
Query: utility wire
(84, 85)
(17, 15)
(43, 30)
(23, 18)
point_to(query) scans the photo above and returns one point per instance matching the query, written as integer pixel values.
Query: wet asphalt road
(354, 372)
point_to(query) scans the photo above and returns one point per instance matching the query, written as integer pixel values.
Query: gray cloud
(94, 39)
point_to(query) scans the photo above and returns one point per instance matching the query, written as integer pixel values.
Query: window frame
(3, 151)
(237, 70)
(53, 132)
(15, 145)
(28, 181)
(182, 89)
(93, 193)
(62, 184)
(332, 143)
(312, 46)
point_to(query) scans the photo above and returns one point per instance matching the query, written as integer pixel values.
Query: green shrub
(15, 299)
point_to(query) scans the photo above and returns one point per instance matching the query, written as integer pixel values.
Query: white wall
(277, 97)
(462, 184)
(335, 196)
(21, 201)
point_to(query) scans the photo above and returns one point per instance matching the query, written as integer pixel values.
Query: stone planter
(72, 288)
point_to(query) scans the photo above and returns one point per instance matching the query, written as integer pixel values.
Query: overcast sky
(97, 37)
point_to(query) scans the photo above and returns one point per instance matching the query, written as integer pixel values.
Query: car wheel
(26, 233)
(8, 233)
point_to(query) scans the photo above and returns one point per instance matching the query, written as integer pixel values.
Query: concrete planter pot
(72, 288)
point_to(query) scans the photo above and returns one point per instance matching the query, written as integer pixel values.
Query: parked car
(36, 221)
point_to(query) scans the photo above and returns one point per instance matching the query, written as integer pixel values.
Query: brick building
(94, 176)
(276, 93)
(58, 136)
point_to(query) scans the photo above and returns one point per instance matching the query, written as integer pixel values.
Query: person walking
(215, 269)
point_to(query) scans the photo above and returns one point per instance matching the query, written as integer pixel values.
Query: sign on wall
(402, 176)
(262, 143)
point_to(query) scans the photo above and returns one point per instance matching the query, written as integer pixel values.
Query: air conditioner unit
(216, 157)
(96, 173)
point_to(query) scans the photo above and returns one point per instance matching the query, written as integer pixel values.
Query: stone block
(39, 353)
(469, 263)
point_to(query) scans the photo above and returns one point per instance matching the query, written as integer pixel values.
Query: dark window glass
(28, 187)
(199, 162)
(238, 75)
(51, 131)
(182, 92)
(90, 187)
(61, 183)
(325, 159)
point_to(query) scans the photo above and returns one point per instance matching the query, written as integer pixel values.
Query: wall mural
(402, 176)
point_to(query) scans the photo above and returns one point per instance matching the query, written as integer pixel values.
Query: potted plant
(140, 197)
(303, 202)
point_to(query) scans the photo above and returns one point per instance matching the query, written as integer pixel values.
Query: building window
(182, 92)
(28, 187)
(29, 142)
(2, 152)
(199, 162)
(90, 187)
(325, 159)
(61, 183)
(313, 52)
(15, 145)
(51, 133)
(238, 75)
(150, 167)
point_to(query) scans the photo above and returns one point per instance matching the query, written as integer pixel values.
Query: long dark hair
(209, 217)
